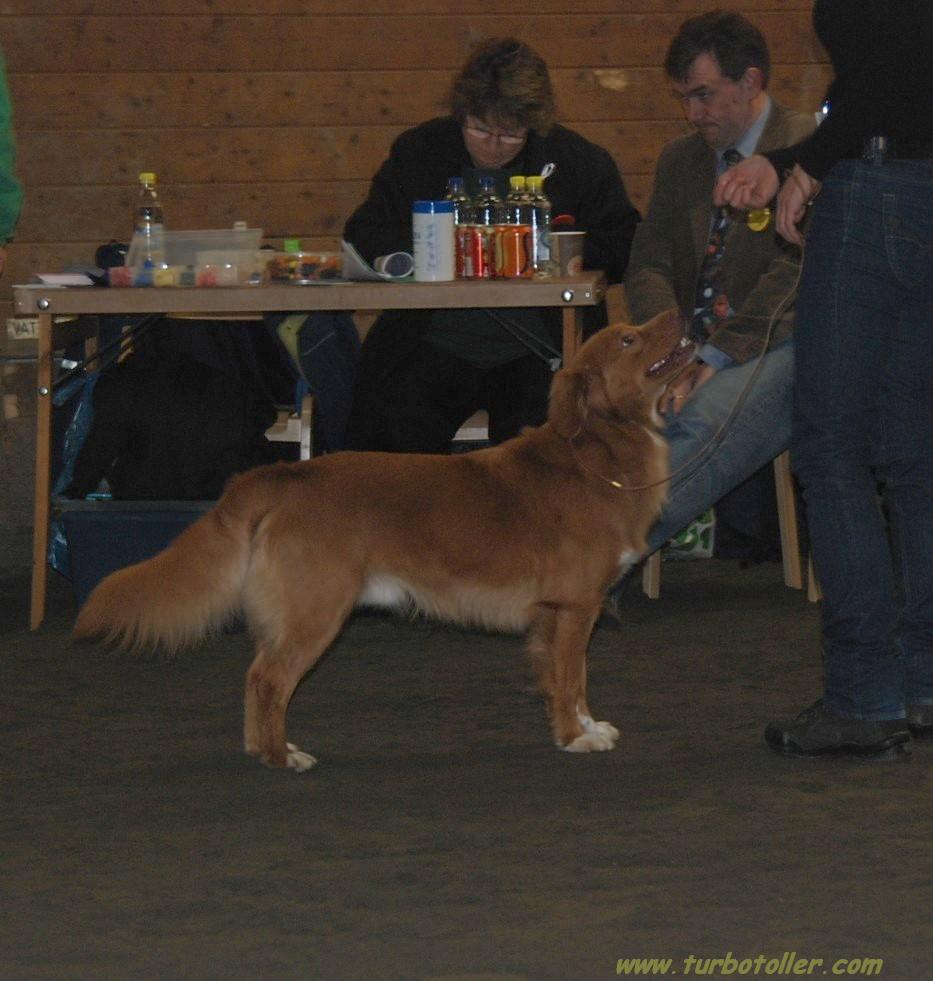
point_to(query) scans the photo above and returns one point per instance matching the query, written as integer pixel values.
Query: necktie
(712, 304)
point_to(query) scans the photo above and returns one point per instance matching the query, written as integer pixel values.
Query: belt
(877, 149)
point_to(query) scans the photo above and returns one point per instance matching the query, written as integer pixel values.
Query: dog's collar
(609, 480)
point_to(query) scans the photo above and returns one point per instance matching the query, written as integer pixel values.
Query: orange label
(513, 252)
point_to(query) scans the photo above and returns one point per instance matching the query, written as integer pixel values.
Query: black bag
(172, 423)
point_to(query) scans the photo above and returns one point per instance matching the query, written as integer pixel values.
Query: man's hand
(684, 386)
(751, 183)
(798, 191)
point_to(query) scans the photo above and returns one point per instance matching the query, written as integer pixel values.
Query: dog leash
(716, 439)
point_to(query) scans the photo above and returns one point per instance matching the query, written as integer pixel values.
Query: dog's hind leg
(271, 681)
(538, 649)
(573, 725)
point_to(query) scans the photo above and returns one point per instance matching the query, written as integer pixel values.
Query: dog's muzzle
(681, 353)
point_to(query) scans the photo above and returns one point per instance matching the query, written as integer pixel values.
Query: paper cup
(567, 252)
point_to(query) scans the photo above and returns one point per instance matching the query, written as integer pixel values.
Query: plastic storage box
(182, 247)
(104, 536)
(303, 267)
(207, 257)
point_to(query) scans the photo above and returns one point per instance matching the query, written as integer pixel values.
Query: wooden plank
(284, 210)
(273, 154)
(98, 214)
(417, 8)
(43, 478)
(332, 98)
(584, 290)
(342, 42)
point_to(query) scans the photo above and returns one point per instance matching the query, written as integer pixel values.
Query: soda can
(463, 236)
(514, 255)
(479, 251)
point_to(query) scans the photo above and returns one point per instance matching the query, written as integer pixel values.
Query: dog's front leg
(574, 727)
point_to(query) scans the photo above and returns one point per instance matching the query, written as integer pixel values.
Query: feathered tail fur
(186, 591)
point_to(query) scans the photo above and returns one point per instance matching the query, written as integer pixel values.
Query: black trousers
(419, 405)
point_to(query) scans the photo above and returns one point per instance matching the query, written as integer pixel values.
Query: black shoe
(817, 731)
(920, 721)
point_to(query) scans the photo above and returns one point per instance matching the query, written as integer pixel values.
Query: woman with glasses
(423, 373)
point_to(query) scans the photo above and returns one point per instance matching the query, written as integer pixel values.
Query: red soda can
(463, 241)
(514, 259)
(480, 246)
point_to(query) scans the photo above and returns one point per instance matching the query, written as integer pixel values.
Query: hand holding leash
(751, 183)
(677, 393)
(793, 200)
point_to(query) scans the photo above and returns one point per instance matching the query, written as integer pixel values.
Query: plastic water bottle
(463, 208)
(148, 224)
(540, 211)
(517, 210)
(487, 205)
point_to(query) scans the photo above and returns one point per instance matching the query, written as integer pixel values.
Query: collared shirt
(749, 142)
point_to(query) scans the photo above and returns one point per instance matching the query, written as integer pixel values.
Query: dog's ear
(567, 407)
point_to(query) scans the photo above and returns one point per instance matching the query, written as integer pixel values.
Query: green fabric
(11, 191)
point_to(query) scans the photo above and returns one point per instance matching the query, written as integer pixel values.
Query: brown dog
(526, 535)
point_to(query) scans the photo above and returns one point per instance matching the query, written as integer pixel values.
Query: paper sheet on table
(397, 265)
(64, 279)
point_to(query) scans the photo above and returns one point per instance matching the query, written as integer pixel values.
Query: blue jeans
(758, 433)
(863, 421)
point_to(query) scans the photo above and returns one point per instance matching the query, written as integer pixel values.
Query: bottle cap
(291, 245)
(534, 183)
(147, 178)
(517, 183)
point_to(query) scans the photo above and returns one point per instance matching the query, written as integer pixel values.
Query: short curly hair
(730, 38)
(506, 82)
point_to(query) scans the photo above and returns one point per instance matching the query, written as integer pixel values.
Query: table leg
(573, 332)
(43, 488)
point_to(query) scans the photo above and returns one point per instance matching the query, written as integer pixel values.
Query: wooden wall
(280, 117)
(278, 113)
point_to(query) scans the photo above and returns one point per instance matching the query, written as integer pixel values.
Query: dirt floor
(441, 836)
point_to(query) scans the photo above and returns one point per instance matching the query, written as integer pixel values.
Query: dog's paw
(599, 736)
(297, 760)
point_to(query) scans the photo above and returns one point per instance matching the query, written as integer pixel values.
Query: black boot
(920, 721)
(818, 731)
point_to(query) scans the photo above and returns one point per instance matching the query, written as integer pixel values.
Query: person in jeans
(863, 413)
(729, 414)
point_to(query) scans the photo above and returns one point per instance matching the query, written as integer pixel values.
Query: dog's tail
(188, 590)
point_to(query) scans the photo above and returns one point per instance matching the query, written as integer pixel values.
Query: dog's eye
(627, 339)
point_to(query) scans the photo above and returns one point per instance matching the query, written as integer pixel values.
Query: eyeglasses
(506, 139)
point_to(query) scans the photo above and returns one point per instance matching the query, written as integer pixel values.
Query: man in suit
(733, 279)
